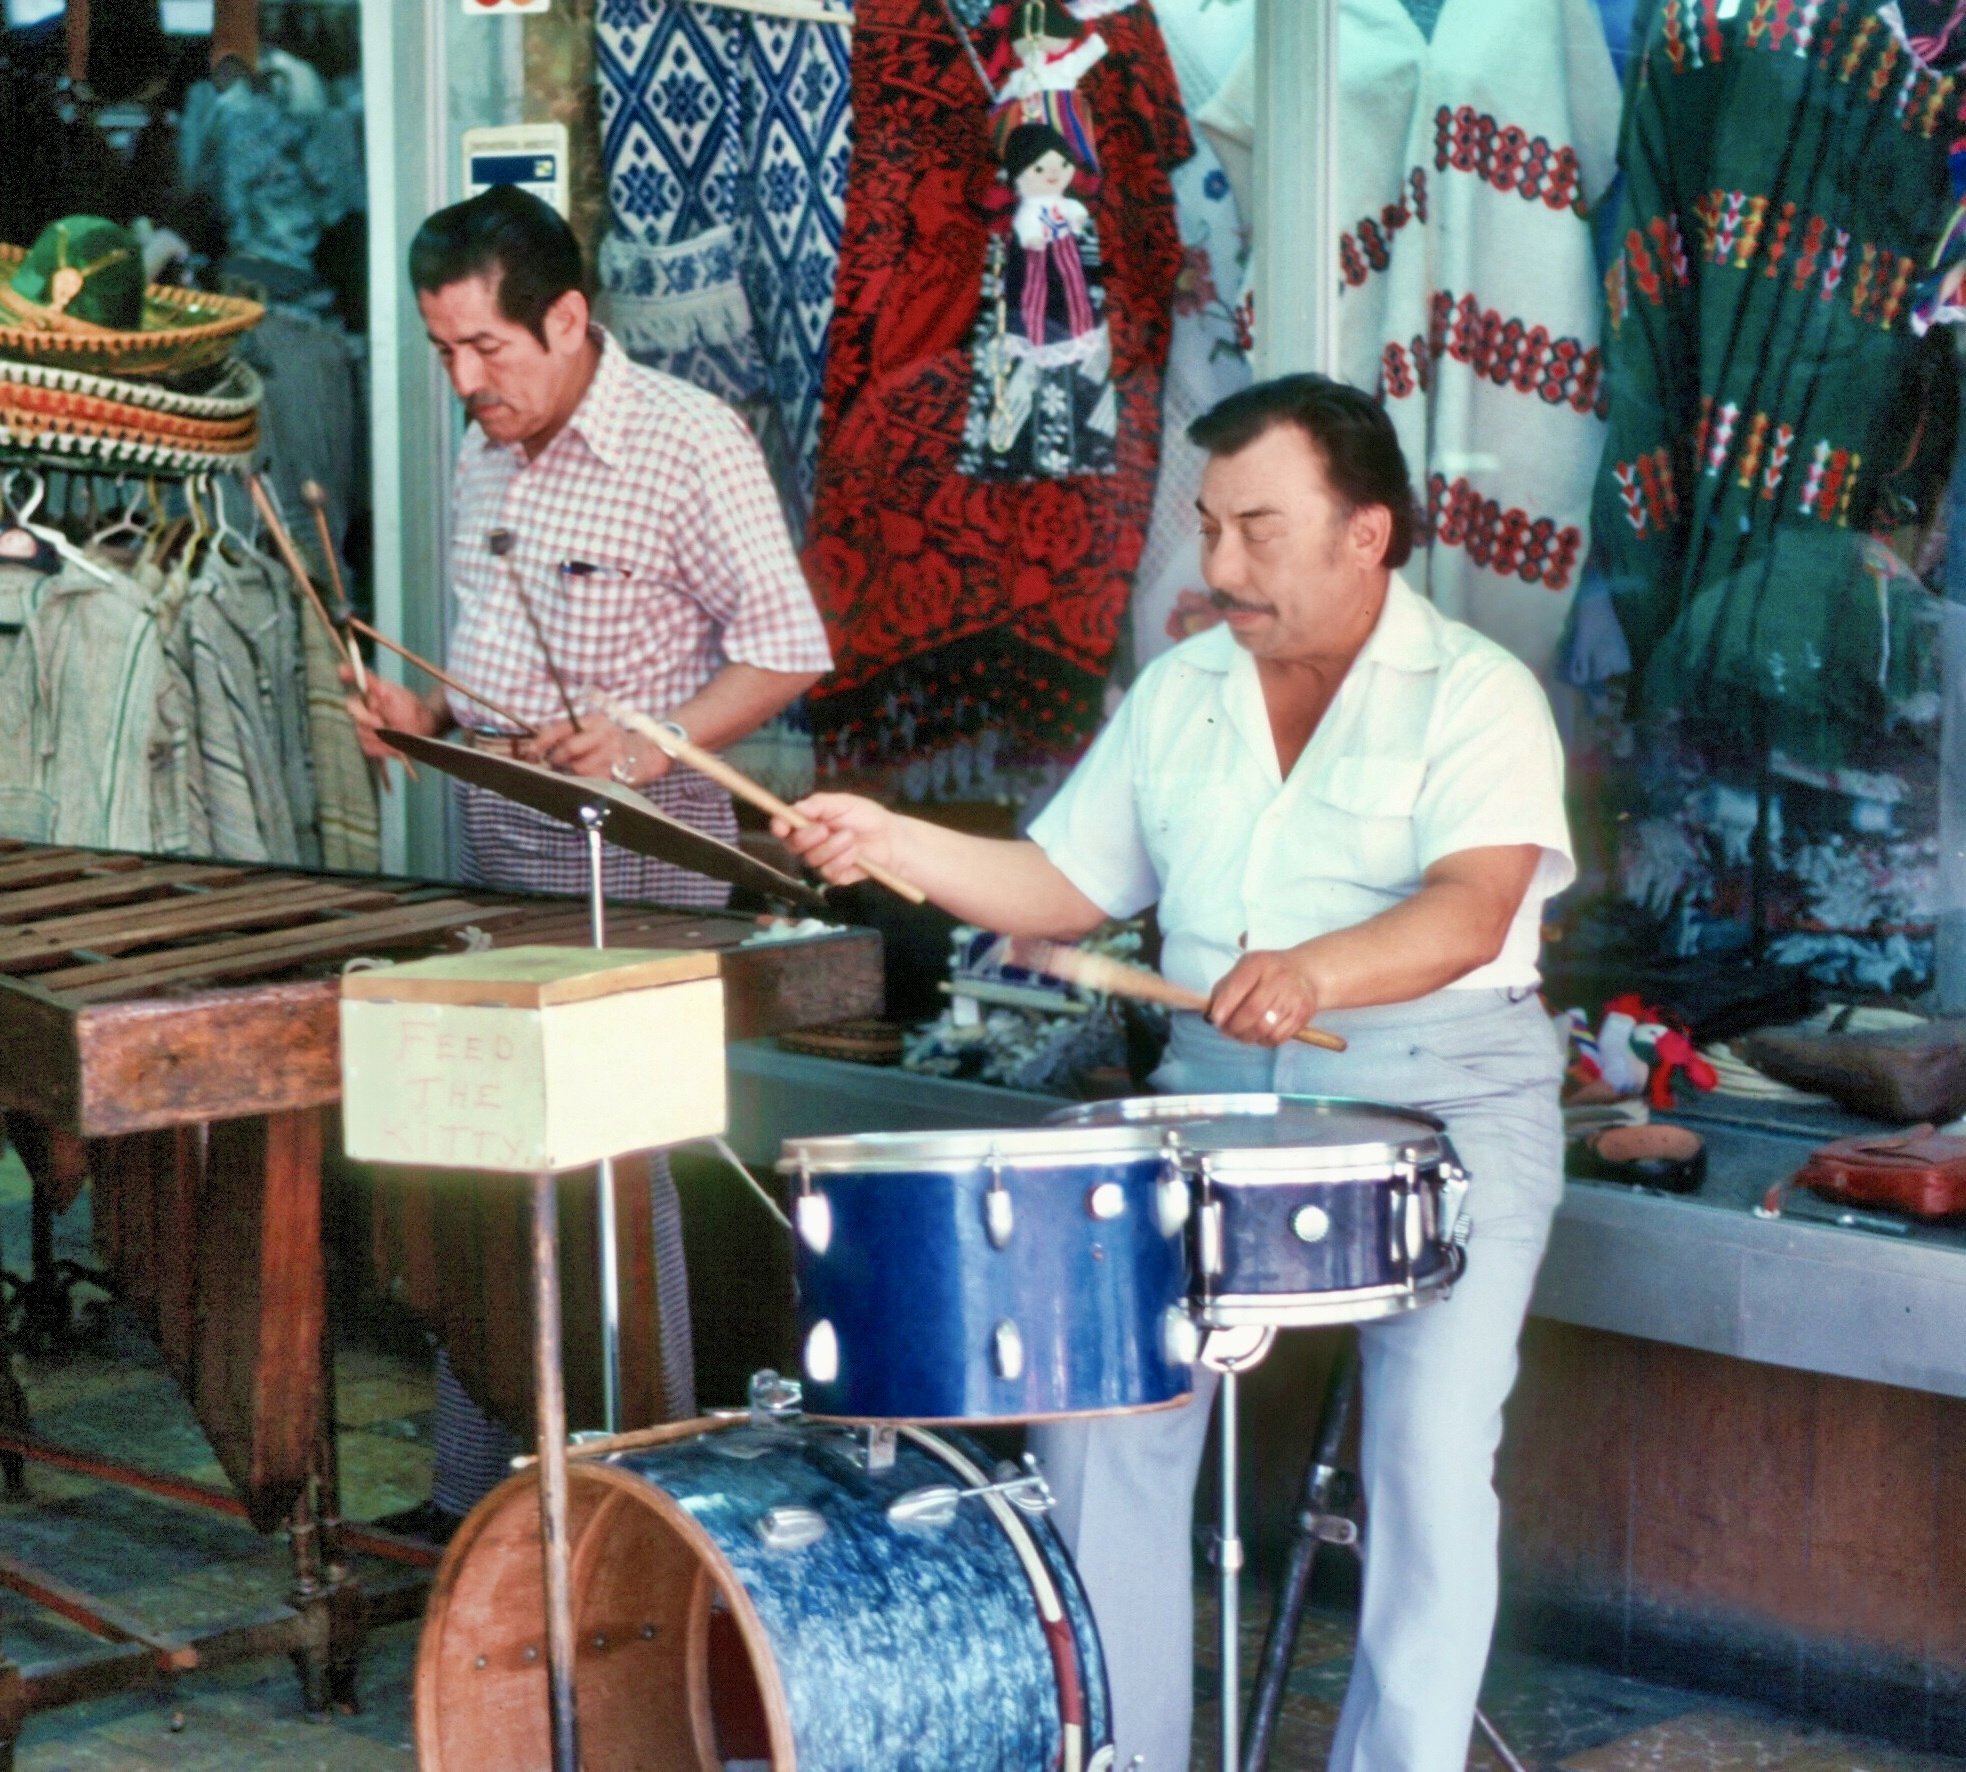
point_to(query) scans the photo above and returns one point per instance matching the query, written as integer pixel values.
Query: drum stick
(449, 682)
(344, 647)
(316, 500)
(1098, 973)
(294, 564)
(671, 741)
(501, 543)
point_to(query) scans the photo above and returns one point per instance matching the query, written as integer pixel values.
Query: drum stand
(550, 1429)
(1230, 1352)
(592, 818)
(1327, 1490)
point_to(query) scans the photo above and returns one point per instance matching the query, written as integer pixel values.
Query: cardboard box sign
(531, 1059)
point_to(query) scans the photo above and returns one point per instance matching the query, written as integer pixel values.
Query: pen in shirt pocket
(591, 569)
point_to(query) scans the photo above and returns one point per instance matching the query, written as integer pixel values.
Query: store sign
(489, 8)
(532, 156)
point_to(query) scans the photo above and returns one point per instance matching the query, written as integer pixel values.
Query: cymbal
(632, 822)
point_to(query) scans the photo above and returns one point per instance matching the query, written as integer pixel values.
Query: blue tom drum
(990, 1276)
(1307, 1209)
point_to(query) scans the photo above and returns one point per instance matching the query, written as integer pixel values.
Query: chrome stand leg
(1229, 1352)
(550, 1421)
(592, 818)
(1229, 1551)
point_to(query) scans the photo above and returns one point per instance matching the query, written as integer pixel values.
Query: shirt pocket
(1364, 813)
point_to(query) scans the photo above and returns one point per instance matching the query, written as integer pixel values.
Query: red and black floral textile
(967, 614)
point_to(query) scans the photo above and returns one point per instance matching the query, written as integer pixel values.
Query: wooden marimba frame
(168, 1033)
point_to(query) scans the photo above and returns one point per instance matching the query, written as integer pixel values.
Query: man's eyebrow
(476, 340)
(1244, 514)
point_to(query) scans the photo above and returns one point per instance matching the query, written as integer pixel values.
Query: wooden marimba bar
(169, 1036)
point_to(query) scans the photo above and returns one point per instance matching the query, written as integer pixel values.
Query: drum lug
(1171, 1202)
(791, 1528)
(813, 1214)
(1007, 1350)
(1416, 1227)
(1405, 1192)
(1208, 1237)
(1454, 1182)
(999, 1216)
(1180, 1337)
(822, 1352)
(878, 1448)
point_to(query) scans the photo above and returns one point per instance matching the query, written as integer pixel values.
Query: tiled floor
(178, 1567)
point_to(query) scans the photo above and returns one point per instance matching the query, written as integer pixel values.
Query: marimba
(168, 1033)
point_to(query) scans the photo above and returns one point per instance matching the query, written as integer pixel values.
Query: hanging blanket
(1785, 184)
(973, 614)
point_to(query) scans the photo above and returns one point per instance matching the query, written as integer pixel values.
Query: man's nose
(467, 374)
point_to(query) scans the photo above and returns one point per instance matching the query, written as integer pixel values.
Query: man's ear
(566, 322)
(1371, 533)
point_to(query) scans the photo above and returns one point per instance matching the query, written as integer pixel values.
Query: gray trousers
(1434, 1383)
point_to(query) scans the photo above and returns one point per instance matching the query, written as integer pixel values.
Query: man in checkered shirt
(634, 514)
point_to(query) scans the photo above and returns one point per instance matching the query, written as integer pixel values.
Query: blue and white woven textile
(726, 136)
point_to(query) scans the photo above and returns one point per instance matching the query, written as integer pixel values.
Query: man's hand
(601, 748)
(1264, 999)
(844, 828)
(386, 704)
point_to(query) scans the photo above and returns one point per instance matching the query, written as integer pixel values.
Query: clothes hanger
(126, 518)
(58, 545)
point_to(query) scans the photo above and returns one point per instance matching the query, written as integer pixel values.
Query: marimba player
(612, 528)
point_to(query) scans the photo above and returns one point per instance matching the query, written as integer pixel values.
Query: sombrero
(77, 298)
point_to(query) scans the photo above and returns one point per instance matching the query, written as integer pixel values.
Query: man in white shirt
(1346, 806)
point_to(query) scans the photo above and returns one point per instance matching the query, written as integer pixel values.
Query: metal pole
(592, 818)
(1230, 1552)
(1296, 223)
(550, 1423)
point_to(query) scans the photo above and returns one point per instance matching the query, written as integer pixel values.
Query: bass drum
(752, 1593)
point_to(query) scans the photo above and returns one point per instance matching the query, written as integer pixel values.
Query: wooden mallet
(1096, 972)
(316, 499)
(674, 743)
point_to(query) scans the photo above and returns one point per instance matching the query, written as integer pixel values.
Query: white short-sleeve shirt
(1438, 740)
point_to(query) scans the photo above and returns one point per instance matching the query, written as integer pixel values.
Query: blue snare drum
(1307, 1209)
(770, 1592)
(990, 1276)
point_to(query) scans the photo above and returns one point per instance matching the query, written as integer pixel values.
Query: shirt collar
(1406, 636)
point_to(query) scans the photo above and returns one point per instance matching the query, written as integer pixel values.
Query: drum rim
(1427, 1145)
(965, 1151)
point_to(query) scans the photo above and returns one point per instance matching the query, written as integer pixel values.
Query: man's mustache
(1223, 601)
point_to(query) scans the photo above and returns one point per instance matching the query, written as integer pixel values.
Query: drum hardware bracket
(1171, 1203)
(774, 1398)
(1238, 1349)
(878, 1446)
(791, 1528)
(935, 1505)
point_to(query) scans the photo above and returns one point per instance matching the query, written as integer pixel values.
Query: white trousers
(1433, 1384)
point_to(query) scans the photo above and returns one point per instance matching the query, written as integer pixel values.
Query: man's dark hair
(1349, 429)
(509, 236)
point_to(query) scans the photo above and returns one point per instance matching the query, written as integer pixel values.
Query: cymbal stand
(1327, 1490)
(1231, 1352)
(592, 819)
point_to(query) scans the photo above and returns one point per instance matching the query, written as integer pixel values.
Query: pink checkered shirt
(651, 545)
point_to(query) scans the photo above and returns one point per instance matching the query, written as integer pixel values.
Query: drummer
(635, 514)
(1347, 807)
